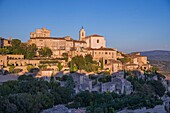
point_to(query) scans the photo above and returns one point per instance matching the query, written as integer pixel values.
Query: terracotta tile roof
(57, 38)
(79, 41)
(102, 48)
(94, 35)
(115, 61)
(136, 56)
(112, 61)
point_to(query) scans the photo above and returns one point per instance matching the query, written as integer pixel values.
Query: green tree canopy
(45, 52)
(88, 58)
(59, 66)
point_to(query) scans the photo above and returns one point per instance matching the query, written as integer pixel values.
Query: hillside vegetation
(159, 59)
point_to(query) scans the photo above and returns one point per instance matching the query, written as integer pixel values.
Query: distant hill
(159, 59)
(160, 55)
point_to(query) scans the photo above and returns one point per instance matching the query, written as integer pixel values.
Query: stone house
(45, 73)
(118, 85)
(82, 82)
(5, 42)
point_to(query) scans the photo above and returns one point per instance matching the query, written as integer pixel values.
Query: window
(106, 53)
(97, 41)
(105, 61)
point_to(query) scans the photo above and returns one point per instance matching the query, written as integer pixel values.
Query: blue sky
(128, 25)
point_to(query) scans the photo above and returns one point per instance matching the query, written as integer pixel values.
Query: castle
(94, 44)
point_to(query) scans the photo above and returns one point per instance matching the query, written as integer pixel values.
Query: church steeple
(82, 34)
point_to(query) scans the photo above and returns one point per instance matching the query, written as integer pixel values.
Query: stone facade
(45, 73)
(137, 62)
(82, 82)
(4, 42)
(41, 37)
(94, 45)
(40, 33)
(118, 85)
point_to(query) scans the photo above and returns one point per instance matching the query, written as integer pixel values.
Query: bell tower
(82, 34)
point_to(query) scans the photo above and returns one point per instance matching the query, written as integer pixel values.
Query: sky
(128, 25)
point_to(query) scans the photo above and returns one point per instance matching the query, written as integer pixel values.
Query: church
(94, 44)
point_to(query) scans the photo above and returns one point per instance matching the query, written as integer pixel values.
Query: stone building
(118, 85)
(94, 45)
(137, 62)
(40, 33)
(17, 60)
(114, 65)
(45, 73)
(42, 38)
(82, 82)
(4, 42)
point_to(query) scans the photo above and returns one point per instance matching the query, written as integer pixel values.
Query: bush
(29, 67)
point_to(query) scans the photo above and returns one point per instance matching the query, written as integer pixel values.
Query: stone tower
(82, 34)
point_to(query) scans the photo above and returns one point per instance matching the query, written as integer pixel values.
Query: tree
(15, 43)
(31, 51)
(155, 69)
(65, 55)
(45, 52)
(16, 46)
(73, 67)
(11, 69)
(101, 64)
(88, 58)
(29, 67)
(79, 61)
(59, 66)
(4, 51)
(42, 66)
(158, 87)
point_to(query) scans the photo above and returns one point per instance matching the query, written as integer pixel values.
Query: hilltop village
(78, 76)
(66, 47)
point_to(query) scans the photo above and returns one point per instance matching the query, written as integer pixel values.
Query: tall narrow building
(82, 34)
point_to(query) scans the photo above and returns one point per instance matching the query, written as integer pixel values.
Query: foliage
(109, 102)
(60, 66)
(83, 63)
(11, 69)
(105, 78)
(17, 70)
(65, 55)
(4, 51)
(101, 64)
(29, 67)
(29, 51)
(45, 52)
(29, 95)
(152, 87)
(158, 87)
(42, 66)
(88, 58)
